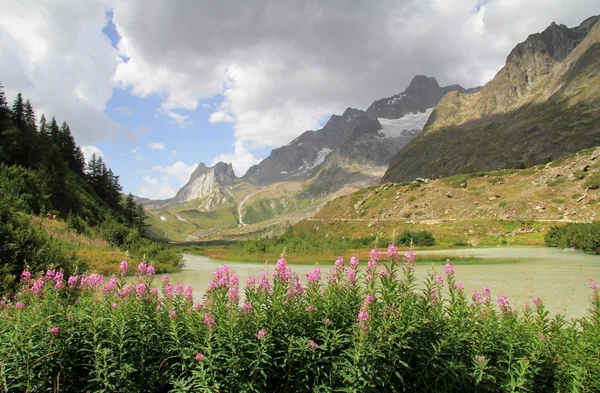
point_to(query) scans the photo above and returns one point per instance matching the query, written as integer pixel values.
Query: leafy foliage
(584, 236)
(364, 329)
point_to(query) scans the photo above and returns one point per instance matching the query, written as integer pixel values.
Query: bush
(576, 235)
(417, 238)
(593, 183)
(357, 332)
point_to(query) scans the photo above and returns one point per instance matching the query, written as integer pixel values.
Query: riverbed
(559, 277)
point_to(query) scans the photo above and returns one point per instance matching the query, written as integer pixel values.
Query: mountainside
(350, 152)
(544, 103)
(464, 207)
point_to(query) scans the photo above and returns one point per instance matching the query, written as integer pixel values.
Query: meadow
(361, 326)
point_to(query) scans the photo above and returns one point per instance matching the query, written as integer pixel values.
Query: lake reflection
(560, 278)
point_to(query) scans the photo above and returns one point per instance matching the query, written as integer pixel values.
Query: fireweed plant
(352, 329)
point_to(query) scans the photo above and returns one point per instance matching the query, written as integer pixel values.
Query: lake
(559, 277)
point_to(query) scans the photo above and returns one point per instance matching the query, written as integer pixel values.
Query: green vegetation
(362, 329)
(44, 180)
(419, 239)
(593, 183)
(557, 181)
(582, 236)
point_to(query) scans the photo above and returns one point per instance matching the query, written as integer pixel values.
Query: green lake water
(559, 277)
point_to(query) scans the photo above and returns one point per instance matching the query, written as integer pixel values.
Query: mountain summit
(208, 185)
(543, 104)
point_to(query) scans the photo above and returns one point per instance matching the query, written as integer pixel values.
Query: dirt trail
(241, 205)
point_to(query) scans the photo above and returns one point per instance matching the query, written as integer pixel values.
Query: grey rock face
(208, 185)
(422, 93)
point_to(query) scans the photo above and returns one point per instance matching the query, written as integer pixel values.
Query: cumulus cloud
(157, 146)
(220, 117)
(88, 150)
(55, 53)
(156, 189)
(241, 159)
(178, 170)
(280, 67)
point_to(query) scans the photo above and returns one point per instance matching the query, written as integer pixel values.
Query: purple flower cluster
(314, 276)
(282, 271)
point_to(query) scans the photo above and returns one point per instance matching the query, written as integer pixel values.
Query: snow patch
(318, 161)
(411, 121)
(284, 172)
(162, 218)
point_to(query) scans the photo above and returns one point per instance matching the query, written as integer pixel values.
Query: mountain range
(543, 104)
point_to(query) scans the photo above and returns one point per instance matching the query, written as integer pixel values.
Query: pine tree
(29, 117)
(140, 217)
(18, 112)
(4, 109)
(130, 210)
(54, 132)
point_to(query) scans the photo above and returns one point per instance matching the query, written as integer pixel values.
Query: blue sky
(159, 86)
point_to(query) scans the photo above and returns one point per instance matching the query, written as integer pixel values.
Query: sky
(158, 86)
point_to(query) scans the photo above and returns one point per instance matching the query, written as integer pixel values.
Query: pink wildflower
(368, 300)
(459, 286)
(339, 263)
(595, 286)
(354, 262)
(141, 268)
(112, 284)
(50, 274)
(233, 296)
(282, 272)
(480, 359)
(332, 276)
(72, 282)
(199, 357)
(314, 276)
(409, 257)
(247, 307)
(25, 276)
(449, 270)
(327, 321)
(114, 306)
(179, 288)
(351, 276)
(209, 321)
(392, 252)
(165, 279)
(310, 308)
(438, 279)
(250, 282)
(19, 305)
(37, 287)
(383, 273)
(537, 301)
(140, 289)
(54, 331)
(189, 293)
(503, 303)
(150, 271)
(154, 292)
(126, 291)
(263, 283)
(124, 268)
(172, 314)
(312, 344)
(261, 333)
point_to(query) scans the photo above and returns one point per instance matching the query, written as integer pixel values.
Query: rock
(463, 184)
(540, 208)
(595, 154)
(420, 180)
(498, 196)
(450, 195)
(491, 198)
(586, 168)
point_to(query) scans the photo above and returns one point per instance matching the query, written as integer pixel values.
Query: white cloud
(156, 189)
(179, 170)
(241, 159)
(281, 66)
(173, 153)
(150, 180)
(136, 153)
(157, 146)
(182, 121)
(88, 150)
(205, 106)
(55, 53)
(220, 117)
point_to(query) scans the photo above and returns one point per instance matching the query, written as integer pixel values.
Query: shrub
(557, 181)
(593, 183)
(584, 236)
(370, 330)
(416, 238)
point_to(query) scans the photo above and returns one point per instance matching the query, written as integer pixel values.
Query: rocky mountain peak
(422, 85)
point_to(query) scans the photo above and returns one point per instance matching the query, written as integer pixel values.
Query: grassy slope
(516, 206)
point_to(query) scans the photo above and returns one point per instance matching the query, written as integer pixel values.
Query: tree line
(61, 178)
